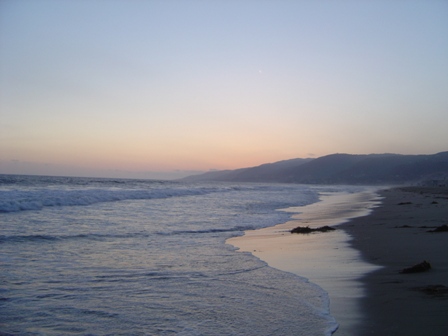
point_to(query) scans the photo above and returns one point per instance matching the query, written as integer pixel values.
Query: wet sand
(326, 259)
(359, 264)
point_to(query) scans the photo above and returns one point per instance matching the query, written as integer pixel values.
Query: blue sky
(137, 87)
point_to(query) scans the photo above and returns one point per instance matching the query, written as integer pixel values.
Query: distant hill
(340, 169)
(268, 172)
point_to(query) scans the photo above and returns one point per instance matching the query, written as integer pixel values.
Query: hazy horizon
(169, 88)
(32, 168)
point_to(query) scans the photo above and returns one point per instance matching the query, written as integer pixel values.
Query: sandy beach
(396, 236)
(359, 264)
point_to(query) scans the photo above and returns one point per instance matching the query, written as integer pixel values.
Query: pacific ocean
(140, 257)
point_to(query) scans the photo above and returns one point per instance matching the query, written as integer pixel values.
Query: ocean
(93, 256)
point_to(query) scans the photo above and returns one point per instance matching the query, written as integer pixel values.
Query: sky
(162, 89)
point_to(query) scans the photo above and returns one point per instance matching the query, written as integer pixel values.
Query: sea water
(88, 256)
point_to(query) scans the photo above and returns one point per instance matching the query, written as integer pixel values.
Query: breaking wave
(22, 200)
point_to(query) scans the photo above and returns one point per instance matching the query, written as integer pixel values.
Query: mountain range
(366, 169)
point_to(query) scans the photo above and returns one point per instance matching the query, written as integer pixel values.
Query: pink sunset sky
(160, 89)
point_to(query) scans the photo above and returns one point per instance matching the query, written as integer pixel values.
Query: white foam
(35, 199)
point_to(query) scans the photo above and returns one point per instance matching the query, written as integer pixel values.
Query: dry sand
(383, 302)
(396, 236)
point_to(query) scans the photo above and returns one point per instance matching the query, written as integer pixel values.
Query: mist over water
(108, 256)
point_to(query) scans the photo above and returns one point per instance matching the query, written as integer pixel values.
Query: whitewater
(85, 256)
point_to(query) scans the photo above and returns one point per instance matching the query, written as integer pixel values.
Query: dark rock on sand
(422, 267)
(307, 229)
(442, 228)
(436, 290)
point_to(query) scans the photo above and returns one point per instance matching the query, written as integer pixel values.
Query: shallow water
(122, 257)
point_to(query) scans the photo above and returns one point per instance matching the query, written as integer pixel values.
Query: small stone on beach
(442, 228)
(435, 290)
(422, 267)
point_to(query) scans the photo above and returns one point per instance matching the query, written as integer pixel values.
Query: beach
(359, 264)
(395, 236)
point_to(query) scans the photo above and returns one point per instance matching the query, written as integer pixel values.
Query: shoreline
(326, 259)
(369, 249)
(395, 236)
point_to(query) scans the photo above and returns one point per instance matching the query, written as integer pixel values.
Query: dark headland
(371, 169)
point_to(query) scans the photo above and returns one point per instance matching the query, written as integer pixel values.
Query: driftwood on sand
(422, 267)
(307, 229)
